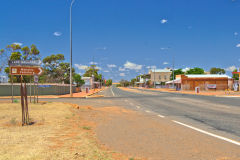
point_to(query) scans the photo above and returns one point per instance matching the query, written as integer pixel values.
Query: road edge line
(208, 133)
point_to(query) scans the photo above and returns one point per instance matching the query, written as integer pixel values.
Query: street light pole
(154, 77)
(71, 82)
(173, 73)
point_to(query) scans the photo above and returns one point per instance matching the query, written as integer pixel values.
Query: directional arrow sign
(17, 70)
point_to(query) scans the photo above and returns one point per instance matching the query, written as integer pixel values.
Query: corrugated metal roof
(160, 70)
(207, 76)
(175, 81)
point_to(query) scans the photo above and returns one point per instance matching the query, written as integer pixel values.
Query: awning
(176, 81)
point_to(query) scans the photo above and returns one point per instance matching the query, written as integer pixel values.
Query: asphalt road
(218, 116)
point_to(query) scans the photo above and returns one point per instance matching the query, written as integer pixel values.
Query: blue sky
(125, 37)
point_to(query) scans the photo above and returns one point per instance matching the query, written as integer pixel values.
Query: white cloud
(106, 71)
(102, 48)
(81, 67)
(164, 48)
(99, 68)
(17, 43)
(122, 74)
(235, 33)
(133, 66)
(151, 67)
(57, 34)
(165, 63)
(121, 69)
(93, 63)
(231, 68)
(111, 66)
(186, 69)
(164, 21)
(238, 45)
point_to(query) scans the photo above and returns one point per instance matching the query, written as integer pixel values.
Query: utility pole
(93, 74)
(173, 73)
(154, 77)
(71, 92)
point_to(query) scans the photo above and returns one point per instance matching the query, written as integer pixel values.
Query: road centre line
(112, 92)
(147, 111)
(138, 107)
(161, 116)
(208, 133)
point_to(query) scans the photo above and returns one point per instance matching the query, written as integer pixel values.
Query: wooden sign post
(21, 68)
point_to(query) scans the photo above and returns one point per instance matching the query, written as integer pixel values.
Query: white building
(3, 79)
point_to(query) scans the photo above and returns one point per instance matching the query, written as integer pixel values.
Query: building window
(160, 77)
(165, 77)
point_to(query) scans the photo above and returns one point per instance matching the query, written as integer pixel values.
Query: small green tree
(109, 82)
(78, 80)
(215, 70)
(176, 72)
(235, 76)
(133, 81)
(124, 83)
(195, 70)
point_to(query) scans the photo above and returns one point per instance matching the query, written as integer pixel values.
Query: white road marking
(208, 133)
(147, 111)
(112, 92)
(131, 103)
(138, 107)
(161, 116)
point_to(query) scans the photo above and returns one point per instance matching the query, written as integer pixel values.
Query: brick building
(209, 82)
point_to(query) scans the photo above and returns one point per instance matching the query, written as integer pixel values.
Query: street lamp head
(72, 2)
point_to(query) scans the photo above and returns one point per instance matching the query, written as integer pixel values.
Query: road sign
(17, 70)
(24, 63)
(35, 78)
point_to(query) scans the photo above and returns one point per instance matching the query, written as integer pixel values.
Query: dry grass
(58, 133)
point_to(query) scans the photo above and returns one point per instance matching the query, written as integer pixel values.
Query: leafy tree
(109, 82)
(176, 72)
(124, 83)
(195, 70)
(93, 71)
(133, 81)
(3, 59)
(78, 80)
(215, 70)
(15, 52)
(235, 76)
(56, 70)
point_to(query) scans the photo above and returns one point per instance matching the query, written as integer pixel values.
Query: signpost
(25, 67)
(25, 63)
(35, 88)
(18, 70)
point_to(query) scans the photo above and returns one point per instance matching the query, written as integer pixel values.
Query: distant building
(160, 76)
(3, 79)
(206, 82)
(88, 82)
(141, 82)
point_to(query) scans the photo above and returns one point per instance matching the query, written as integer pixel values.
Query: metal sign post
(36, 88)
(12, 87)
